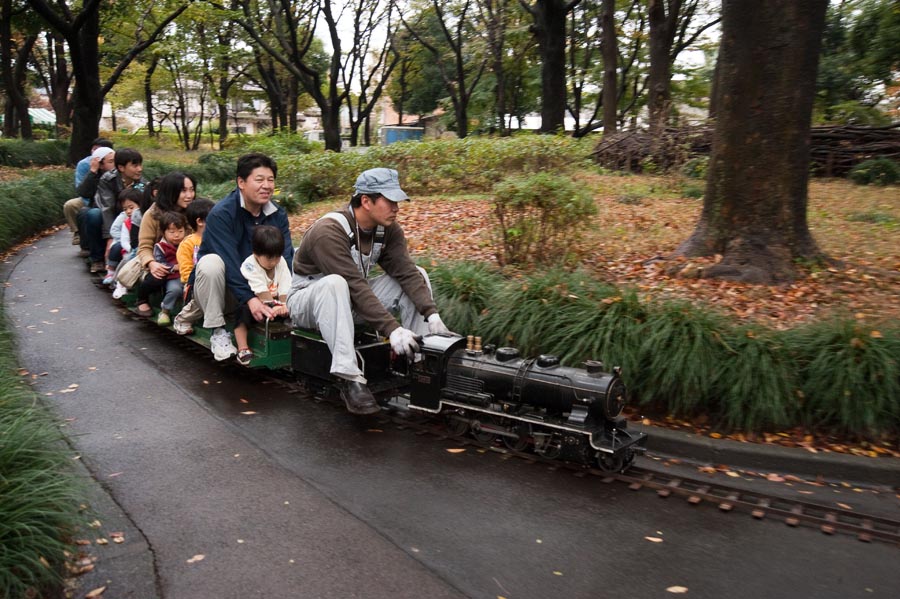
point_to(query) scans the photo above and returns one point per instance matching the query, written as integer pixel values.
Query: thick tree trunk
(87, 101)
(550, 29)
(610, 64)
(754, 211)
(331, 124)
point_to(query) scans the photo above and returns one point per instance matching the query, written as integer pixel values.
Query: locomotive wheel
(609, 463)
(550, 448)
(456, 425)
(482, 436)
(519, 443)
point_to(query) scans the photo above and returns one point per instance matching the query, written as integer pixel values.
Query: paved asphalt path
(284, 496)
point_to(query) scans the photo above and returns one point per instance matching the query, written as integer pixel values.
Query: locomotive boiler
(558, 411)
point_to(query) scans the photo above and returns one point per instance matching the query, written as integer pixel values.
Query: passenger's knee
(210, 265)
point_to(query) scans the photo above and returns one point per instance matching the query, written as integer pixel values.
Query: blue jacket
(229, 233)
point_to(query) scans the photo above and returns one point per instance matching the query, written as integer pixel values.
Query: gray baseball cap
(384, 181)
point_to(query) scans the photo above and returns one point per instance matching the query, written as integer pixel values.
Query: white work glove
(403, 342)
(436, 326)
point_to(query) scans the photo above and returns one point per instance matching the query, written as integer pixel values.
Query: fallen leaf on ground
(248, 413)
(557, 572)
(677, 589)
(95, 593)
(844, 506)
(654, 539)
(455, 450)
(197, 558)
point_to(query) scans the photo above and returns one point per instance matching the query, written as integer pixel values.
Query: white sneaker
(181, 326)
(221, 345)
(119, 291)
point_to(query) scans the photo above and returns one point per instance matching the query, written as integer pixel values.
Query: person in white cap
(331, 283)
(88, 164)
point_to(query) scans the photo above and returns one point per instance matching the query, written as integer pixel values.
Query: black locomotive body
(557, 410)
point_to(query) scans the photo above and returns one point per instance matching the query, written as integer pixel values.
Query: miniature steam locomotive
(494, 393)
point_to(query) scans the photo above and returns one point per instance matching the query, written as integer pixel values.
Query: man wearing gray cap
(331, 282)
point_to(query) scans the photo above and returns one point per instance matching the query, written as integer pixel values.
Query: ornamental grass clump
(463, 291)
(679, 355)
(850, 375)
(539, 217)
(755, 381)
(39, 495)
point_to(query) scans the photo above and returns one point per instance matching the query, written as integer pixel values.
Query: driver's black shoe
(358, 398)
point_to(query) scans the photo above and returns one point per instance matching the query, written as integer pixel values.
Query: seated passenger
(269, 277)
(88, 164)
(94, 223)
(175, 193)
(173, 225)
(331, 283)
(123, 231)
(218, 285)
(196, 213)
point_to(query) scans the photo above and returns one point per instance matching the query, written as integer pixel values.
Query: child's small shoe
(163, 319)
(244, 356)
(109, 278)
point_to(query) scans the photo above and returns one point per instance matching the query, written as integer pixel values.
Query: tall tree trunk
(148, 95)
(331, 124)
(60, 79)
(662, 25)
(550, 30)
(610, 64)
(754, 211)
(87, 101)
(223, 123)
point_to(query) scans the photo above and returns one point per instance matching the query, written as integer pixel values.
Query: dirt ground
(643, 219)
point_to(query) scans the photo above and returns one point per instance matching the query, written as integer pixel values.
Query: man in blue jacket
(219, 286)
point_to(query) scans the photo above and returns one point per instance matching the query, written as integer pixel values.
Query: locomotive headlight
(614, 402)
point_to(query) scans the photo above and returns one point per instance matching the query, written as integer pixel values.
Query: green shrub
(39, 494)
(538, 216)
(693, 191)
(695, 168)
(274, 144)
(205, 171)
(850, 375)
(32, 204)
(20, 153)
(429, 167)
(878, 171)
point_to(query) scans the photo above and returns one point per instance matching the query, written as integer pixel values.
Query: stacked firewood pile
(834, 149)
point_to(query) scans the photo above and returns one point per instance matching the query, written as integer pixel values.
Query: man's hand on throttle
(436, 326)
(403, 341)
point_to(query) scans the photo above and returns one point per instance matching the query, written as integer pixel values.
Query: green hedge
(31, 204)
(23, 154)
(841, 375)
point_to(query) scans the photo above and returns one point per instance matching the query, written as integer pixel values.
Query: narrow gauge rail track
(793, 512)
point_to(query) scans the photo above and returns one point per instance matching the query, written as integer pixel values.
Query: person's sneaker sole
(221, 356)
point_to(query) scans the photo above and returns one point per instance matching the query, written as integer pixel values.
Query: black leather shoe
(358, 398)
